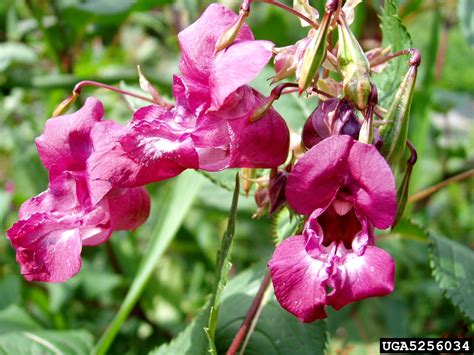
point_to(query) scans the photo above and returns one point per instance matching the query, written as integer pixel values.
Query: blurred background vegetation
(46, 46)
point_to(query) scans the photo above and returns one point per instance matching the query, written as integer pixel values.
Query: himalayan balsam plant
(335, 179)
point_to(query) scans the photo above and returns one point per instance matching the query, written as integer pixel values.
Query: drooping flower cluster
(208, 128)
(342, 185)
(97, 168)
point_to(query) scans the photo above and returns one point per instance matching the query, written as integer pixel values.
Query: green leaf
(396, 36)
(15, 318)
(409, 230)
(192, 340)
(12, 52)
(223, 266)
(453, 269)
(466, 20)
(175, 207)
(284, 225)
(46, 342)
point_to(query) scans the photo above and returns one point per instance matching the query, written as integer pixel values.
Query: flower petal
(65, 143)
(237, 66)
(299, 280)
(376, 195)
(129, 208)
(316, 178)
(63, 194)
(359, 277)
(48, 248)
(159, 144)
(198, 43)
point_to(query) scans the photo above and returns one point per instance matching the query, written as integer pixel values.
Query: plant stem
(291, 10)
(241, 333)
(421, 195)
(222, 268)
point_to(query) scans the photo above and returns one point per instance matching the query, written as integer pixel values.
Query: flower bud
(355, 68)
(229, 36)
(65, 105)
(394, 132)
(276, 192)
(261, 109)
(331, 117)
(248, 176)
(315, 53)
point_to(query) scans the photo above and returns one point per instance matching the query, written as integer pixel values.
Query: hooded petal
(66, 143)
(48, 248)
(129, 208)
(358, 169)
(319, 173)
(376, 195)
(299, 280)
(237, 66)
(358, 277)
(198, 43)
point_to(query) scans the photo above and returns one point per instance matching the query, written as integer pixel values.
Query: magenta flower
(208, 127)
(73, 211)
(347, 188)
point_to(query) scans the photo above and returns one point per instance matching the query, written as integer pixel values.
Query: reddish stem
(242, 332)
(415, 58)
(291, 10)
(78, 88)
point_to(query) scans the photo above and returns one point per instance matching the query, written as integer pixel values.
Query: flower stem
(421, 195)
(291, 10)
(78, 88)
(414, 60)
(244, 328)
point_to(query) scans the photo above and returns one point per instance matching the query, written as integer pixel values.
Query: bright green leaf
(46, 342)
(453, 269)
(15, 318)
(178, 202)
(394, 35)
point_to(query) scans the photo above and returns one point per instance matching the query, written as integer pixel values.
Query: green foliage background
(48, 46)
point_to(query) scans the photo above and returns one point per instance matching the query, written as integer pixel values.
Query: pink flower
(208, 127)
(74, 210)
(347, 188)
(54, 225)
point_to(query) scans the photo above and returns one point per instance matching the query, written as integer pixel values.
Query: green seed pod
(394, 132)
(315, 52)
(402, 192)
(355, 68)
